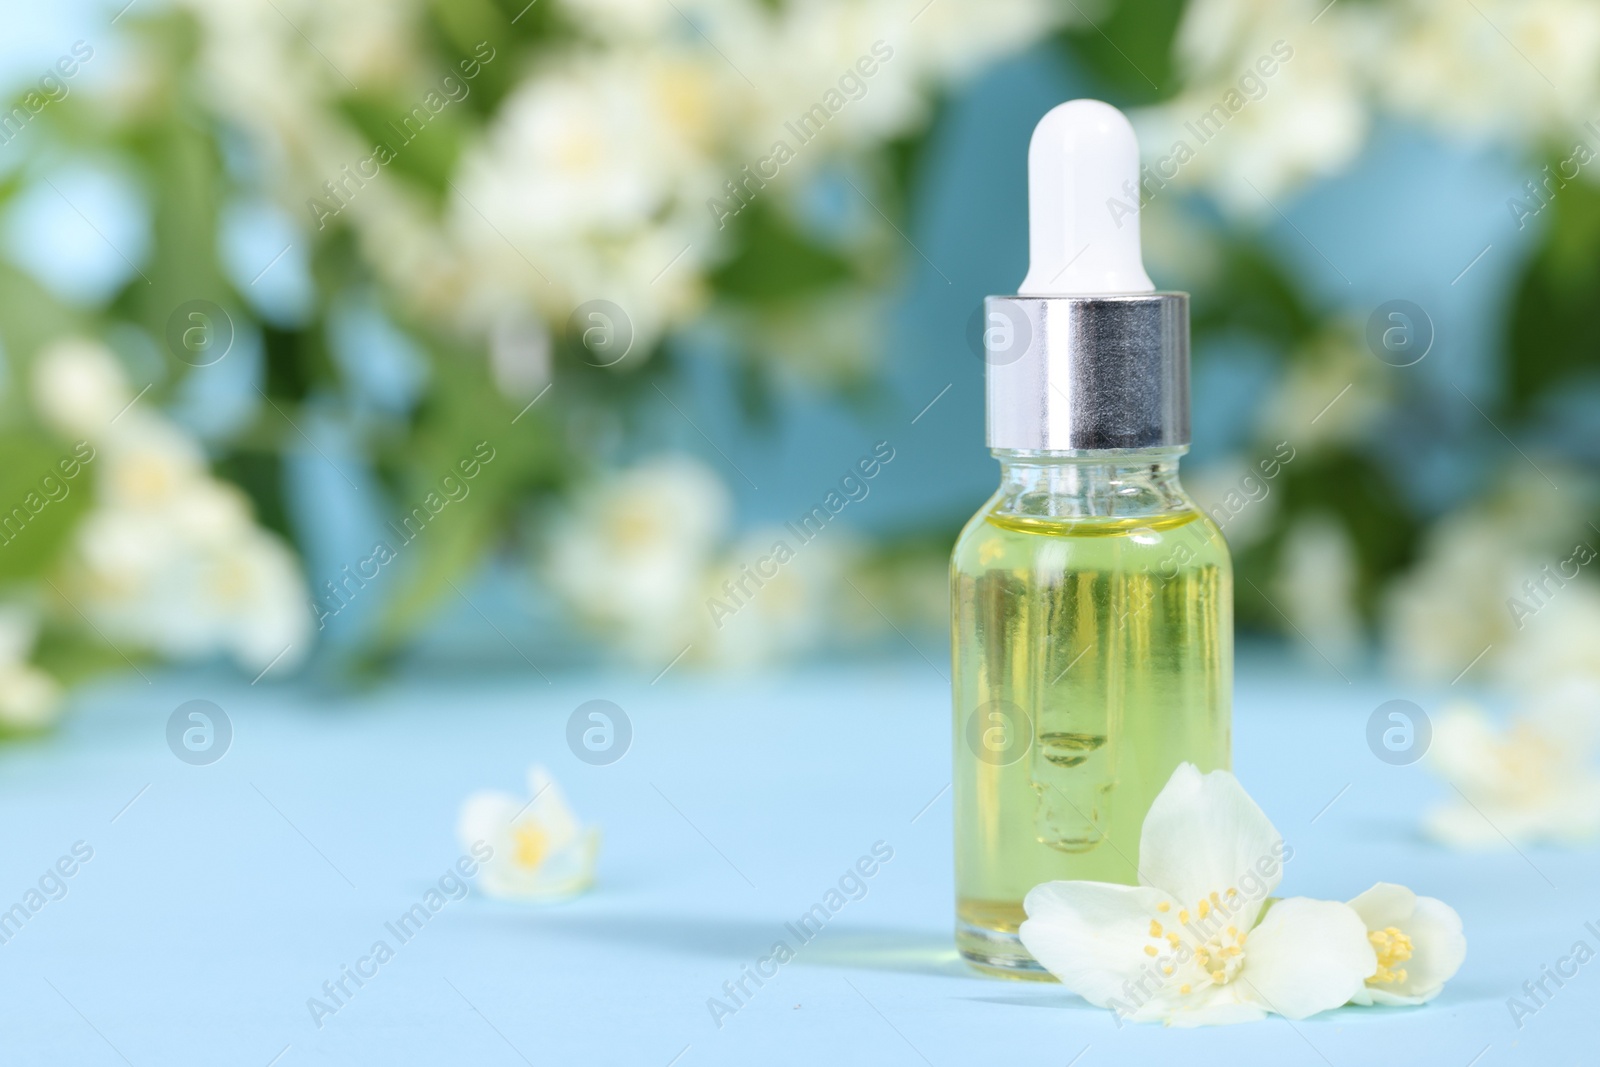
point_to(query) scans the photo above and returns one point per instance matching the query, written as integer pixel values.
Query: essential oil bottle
(1092, 601)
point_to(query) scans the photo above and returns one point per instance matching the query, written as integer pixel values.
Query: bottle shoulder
(1179, 534)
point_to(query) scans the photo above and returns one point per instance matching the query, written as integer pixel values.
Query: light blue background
(206, 920)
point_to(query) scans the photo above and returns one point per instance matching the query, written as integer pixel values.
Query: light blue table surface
(224, 896)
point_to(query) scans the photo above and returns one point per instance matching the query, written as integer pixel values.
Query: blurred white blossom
(643, 20)
(29, 698)
(1450, 607)
(831, 339)
(1532, 779)
(592, 176)
(1527, 71)
(1269, 100)
(519, 356)
(597, 146)
(1329, 393)
(1453, 608)
(773, 598)
(1521, 70)
(1535, 777)
(1558, 644)
(540, 850)
(1233, 491)
(1316, 585)
(630, 552)
(77, 389)
(169, 558)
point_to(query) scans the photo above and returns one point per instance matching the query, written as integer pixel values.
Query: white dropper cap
(1083, 204)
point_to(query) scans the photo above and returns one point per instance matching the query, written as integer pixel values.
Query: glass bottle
(1092, 601)
(1092, 642)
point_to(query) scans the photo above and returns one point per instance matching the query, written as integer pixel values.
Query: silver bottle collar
(1076, 373)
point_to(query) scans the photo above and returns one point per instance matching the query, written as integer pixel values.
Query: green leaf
(904, 160)
(463, 417)
(297, 360)
(260, 474)
(512, 29)
(29, 319)
(1253, 294)
(185, 183)
(774, 261)
(39, 503)
(419, 143)
(1551, 325)
(1361, 495)
(1128, 49)
(70, 654)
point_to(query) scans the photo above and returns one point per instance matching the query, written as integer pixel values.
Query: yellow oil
(1091, 657)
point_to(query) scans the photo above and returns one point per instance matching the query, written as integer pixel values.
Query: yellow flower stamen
(1392, 947)
(1155, 928)
(1218, 952)
(1163, 906)
(1149, 950)
(531, 843)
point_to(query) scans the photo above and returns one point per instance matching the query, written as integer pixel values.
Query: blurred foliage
(34, 523)
(775, 261)
(777, 276)
(1551, 330)
(1251, 295)
(175, 147)
(1127, 47)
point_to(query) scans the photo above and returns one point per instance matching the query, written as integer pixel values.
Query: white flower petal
(79, 387)
(1528, 780)
(1438, 946)
(566, 871)
(540, 850)
(486, 816)
(1307, 956)
(549, 808)
(1090, 935)
(1204, 834)
(1385, 904)
(19, 627)
(29, 698)
(630, 554)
